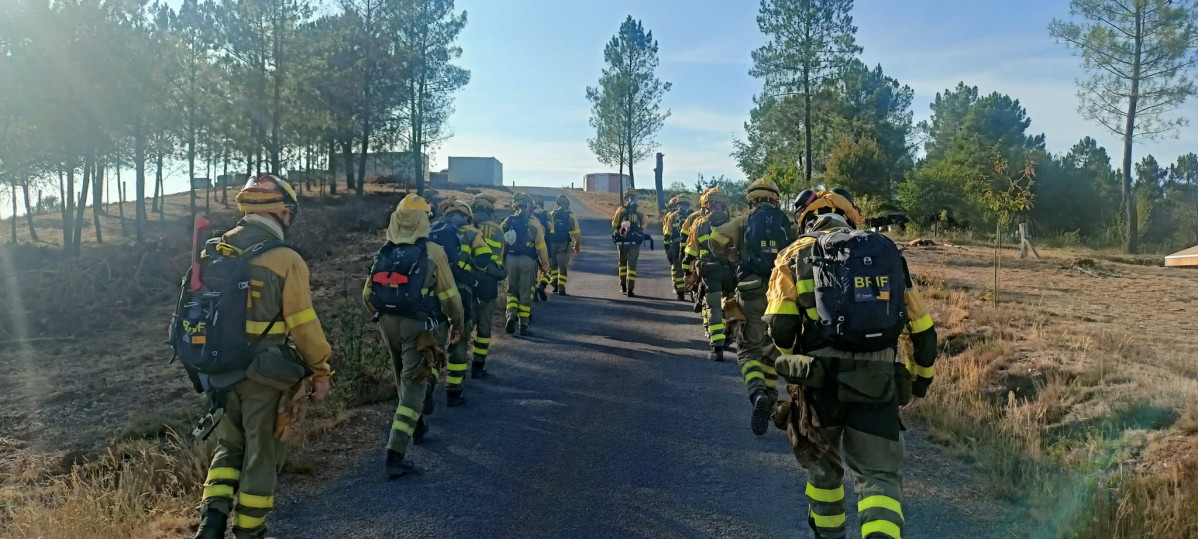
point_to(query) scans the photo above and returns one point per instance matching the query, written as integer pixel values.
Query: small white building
(487, 171)
(606, 182)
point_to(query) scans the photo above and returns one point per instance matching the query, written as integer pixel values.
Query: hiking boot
(542, 294)
(510, 328)
(430, 405)
(524, 331)
(398, 466)
(717, 353)
(760, 421)
(453, 400)
(561, 290)
(478, 369)
(681, 296)
(623, 284)
(420, 431)
(212, 525)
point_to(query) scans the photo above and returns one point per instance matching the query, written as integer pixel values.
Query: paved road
(608, 422)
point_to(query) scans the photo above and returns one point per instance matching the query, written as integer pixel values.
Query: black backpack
(561, 227)
(397, 279)
(523, 246)
(446, 235)
(860, 280)
(767, 234)
(207, 331)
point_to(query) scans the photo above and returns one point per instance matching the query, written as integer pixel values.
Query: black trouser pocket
(276, 368)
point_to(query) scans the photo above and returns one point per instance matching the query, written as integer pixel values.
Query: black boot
(624, 284)
(681, 296)
(455, 399)
(541, 295)
(398, 466)
(717, 353)
(212, 525)
(420, 431)
(762, 406)
(430, 405)
(561, 290)
(524, 331)
(631, 286)
(478, 369)
(510, 328)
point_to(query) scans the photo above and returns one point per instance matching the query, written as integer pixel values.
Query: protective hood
(407, 226)
(830, 221)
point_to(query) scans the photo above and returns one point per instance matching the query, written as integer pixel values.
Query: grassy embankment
(93, 422)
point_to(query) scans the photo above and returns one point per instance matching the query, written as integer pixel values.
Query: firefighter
(688, 226)
(473, 259)
(674, 240)
(524, 252)
(565, 238)
(714, 272)
(546, 221)
(487, 291)
(409, 327)
(839, 398)
(750, 244)
(628, 233)
(249, 452)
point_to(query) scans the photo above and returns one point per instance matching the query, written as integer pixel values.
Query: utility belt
(277, 367)
(859, 381)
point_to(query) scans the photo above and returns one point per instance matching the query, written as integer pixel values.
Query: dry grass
(1075, 392)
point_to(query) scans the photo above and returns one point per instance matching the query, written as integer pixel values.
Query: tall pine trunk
(77, 242)
(97, 203)
(347, 154)
(139, 189)
(1130, 244)
(332, 166)
(68, 216)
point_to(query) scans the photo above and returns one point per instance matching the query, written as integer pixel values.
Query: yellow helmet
(764, 189)
(414, 202)
(629, 193)
(713, 195)
(484, 201)
(563, 201)
(267, 194)
(829, 202)
(450, 206)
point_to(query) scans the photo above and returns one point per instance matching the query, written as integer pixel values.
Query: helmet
(824, 202)
(763, 189)
(414, 202)
(672, 202)
(684, 200)
(520, 199)
(451, 206)
(804, 198)
(630, 194)
(844, 193)
(484, 201)
(714, 195)
(563, 201)
(540, 202)
(267, 194)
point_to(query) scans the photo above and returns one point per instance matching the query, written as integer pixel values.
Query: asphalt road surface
(609, 421)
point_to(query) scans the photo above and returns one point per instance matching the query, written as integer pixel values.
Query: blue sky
(531, 61)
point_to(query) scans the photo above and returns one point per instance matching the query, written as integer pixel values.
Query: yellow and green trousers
(245, 467)
(755, 351)
(629, 253)
(400, 336)
(521, 281)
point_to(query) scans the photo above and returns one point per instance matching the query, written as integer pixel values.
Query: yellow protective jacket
(279, 284)
(406, 227)
(536, 239)
(673, 226)
(698, 241)
(686, 231)
(791, 310)
(575, 231)
(636, 217)
(476, 253)
(546, 221)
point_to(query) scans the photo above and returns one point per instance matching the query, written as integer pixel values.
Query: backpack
(519, 224)
(207, 331)
(860, 280)
(767, 234)
(397, 282)
(561, 227)
(446, 235)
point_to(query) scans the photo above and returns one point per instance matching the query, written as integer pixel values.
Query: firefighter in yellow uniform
(842, 398)
(565, 238)
(546, 272)
(487, 291)
(688, 226)
(410, 336)
(675, 240)
(715, 273)
(525, 251)
(628, 233)
(249, 452)
(474, 257)
(754, 240)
